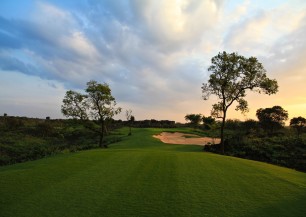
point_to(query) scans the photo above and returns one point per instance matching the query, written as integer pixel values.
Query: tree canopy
(97, 104)
(208, 122)
(194, 119)
(231, 76)
(272, 118)
(75, 105)
(298, 123)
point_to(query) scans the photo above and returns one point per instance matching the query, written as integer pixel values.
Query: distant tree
(5, 115)
(272, 119)
(298, 123)
(208, 122)
(97, 104)
(249, 125)
(75, 105)
(231, 75)
(130, 118)
(194, 119)
(233, 124)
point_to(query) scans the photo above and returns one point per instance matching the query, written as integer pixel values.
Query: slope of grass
(140, 176)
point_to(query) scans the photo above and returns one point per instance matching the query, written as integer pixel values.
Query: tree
(298, 123)
(273, 118)
(194, 119)
(130, 118)
(231, 76)
(97, 104)
(75, 105)
(208, 122)
(250, 126)
(233, 124)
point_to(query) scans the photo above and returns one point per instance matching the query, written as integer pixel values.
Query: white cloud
(174, 24)
(154, 54)
(256, 32)
(80, 45)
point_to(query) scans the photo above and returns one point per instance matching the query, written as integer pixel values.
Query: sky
(153, 54)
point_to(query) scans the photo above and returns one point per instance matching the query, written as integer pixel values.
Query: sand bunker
(185, 139)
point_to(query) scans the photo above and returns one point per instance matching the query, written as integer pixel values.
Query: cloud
(247, 34)
(287, 61)
(173, 25)
(14, 64)
(8, 41)
(154, 54)
(256, 32)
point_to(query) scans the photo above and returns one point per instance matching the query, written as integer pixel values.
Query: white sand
(179, 138)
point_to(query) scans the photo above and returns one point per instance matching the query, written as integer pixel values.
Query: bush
(281, 150)
(29, 139)
(44, 129)
(12, 123)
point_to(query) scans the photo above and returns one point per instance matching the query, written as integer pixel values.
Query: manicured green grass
(140, 176)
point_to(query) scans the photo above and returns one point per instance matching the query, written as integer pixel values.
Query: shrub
(281, 150)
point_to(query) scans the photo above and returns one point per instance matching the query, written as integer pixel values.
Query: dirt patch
(185, 139)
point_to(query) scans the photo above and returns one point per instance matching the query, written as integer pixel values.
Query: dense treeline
(23, 139)
(153, 123)
(285, 146)
(267, 139)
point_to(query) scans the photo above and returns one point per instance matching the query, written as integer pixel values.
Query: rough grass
(140, 176)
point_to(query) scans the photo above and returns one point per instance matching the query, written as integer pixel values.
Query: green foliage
(101, 102)
(45, 129)
(248, 140)
(208, 122)
(140, 176)
(98, 104)
(231, 76)
(155, 124)
(272, 119)
(299, 124)
(40, 138)
(11, 123)
(250, 126)
(75, 105)
(233, 124)
(194, 119)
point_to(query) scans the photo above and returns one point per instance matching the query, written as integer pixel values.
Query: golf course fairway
(141, 176)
